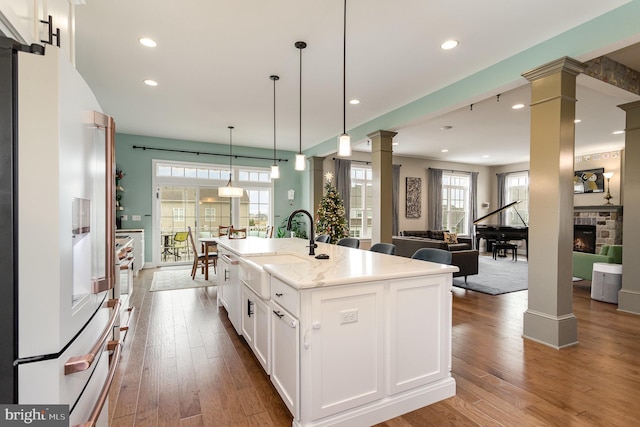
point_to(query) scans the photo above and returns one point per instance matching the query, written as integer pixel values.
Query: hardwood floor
(184, 365)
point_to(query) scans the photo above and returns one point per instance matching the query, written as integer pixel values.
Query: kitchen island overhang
(355, 339)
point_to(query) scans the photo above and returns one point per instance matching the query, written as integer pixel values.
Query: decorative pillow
(450, 237)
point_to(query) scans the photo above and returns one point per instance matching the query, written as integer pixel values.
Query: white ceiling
(214, 59)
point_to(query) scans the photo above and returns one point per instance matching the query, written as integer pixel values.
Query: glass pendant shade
(229, 191)
(344, 145)
(301, 162)
(275, 172)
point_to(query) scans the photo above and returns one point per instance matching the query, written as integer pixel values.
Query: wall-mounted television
(588, 181)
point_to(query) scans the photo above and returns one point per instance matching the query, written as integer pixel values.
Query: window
(209, 214)
(455, 202)
(254, 210)
(178, 214)
(360, 213)
(517, 188)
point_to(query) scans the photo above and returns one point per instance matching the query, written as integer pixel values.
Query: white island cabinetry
(354, 340)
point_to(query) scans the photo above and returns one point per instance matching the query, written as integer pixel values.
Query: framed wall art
(414, 193)
(588, 181)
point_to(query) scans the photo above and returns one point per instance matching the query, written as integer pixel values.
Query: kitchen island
(355, 339)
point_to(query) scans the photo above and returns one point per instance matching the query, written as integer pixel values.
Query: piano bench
(499, 246)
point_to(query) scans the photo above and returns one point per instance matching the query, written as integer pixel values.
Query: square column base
(554, 331)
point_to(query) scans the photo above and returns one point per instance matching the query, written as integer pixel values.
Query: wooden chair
(269, 233)
(237, 233)
(223, 230)
(200, 259)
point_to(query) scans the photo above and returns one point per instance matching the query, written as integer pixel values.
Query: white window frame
(517, 188)
(367, 185)
(461, 226)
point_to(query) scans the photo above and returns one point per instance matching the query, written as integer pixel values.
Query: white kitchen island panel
(356, 339)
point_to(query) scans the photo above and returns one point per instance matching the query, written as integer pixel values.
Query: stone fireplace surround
(606, 219)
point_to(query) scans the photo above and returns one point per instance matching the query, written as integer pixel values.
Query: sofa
(583, 262)
(462, 256)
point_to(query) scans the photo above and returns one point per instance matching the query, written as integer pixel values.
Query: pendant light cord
(300, 105)
(344, 71)
(230, 153)
(274, 78)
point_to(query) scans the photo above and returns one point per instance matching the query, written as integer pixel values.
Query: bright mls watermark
(34, 415)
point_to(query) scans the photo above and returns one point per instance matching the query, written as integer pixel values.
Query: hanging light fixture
(228, 190)
(344, 140)
(275, 170)
(301, 160)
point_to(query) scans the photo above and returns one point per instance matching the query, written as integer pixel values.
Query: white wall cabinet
(21, 21)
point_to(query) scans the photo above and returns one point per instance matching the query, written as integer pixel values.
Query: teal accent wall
(138, 197)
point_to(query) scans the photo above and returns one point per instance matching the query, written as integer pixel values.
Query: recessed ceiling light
(447, 127)
(354, 102)
(444, 150)
(146, 41)
(449, 44)
(577, 121)
(517, 106)
(394, 143)
(618, 132)
(150, 82)
(485, 156)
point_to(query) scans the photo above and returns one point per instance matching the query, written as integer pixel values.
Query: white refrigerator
(57, 225)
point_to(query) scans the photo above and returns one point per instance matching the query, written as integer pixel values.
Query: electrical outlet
(349, 316)
(136, 218)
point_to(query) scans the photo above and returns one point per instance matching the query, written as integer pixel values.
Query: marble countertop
(344, 266)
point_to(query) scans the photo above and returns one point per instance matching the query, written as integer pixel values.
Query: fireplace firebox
(584, 238)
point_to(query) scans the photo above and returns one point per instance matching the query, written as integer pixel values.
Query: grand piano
(502, 233)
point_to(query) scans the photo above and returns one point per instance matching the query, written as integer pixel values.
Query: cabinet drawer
(286, 296)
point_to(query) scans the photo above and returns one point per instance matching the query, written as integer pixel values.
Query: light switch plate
(136, 218)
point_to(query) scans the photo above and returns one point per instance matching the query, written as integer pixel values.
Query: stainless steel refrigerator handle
(107, 122)
(104, 393)
(84, 362)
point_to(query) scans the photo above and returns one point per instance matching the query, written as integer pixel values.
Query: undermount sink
(254, 276)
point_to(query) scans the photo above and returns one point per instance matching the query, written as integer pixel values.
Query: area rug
(496, 277)
(171, 279)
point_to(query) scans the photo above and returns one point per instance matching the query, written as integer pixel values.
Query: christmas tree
(331, 218)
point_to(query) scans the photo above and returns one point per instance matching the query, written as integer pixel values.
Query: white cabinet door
(21, 19)
(248, 315)
(344, 349)
(285, 367)
(262, 336)
(256, 326)
(224, 270)
(420, 354)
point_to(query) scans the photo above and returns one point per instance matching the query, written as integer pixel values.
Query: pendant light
(344, 140)
(301, 160)
(275, 170)
(228, 190)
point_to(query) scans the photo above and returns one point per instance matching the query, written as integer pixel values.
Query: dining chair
(433, 254)
(350, 242)
(269, 232)
(180, 243)
(384, 248)
(200, 258)
(323, 238)
(223, 230)
(237, 233)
